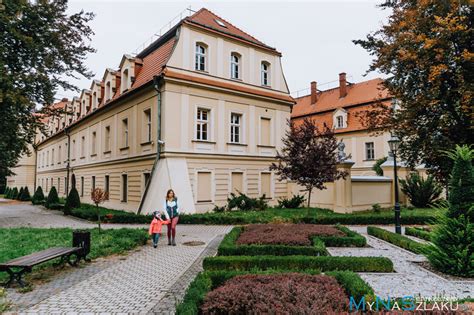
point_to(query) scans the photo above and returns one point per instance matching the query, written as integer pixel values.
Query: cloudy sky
(315, 37)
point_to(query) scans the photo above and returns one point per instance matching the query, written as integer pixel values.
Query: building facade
(339, 109)
(199, 111)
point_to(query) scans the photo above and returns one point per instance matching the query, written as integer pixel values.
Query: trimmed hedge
(89, 212)
(351, 239)
(209, 280)
(323, 263)
(229, 248)
(397, 239)
(417, 232)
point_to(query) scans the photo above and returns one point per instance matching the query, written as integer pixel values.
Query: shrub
(350, 238)
(453, 238)
(272, 293)
(285, 234)
(25, 195)
(14, 193)
(5, 193)
(353, 284)
(245, 203)
(218, 209)
(38, 196)
(295, 202)
(195, 294)
(20, 193)
(417, 232)
(376, 208)
(52, 197)
(397, 239)
(421, 192)
(228, 247)
(323, 263)
(72, 200)
(377, 167)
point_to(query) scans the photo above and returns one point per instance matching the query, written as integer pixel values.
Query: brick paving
(147, 280)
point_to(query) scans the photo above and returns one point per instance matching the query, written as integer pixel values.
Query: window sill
(93, 155)
(203, 141)
(236, 79)
(73, 160)
(204, 201)
(108, 151)
(237, 143)
(124, 148)
(82, 157)
(201, 71)
(368, 160)
(266, 146)
(266, 86)
(146, 143)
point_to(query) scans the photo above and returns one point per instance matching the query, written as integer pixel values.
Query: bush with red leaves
(290, 293)
(285, 234)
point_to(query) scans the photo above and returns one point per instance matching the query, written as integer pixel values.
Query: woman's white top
(168, 203)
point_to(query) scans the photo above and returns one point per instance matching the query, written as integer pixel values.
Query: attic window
(220, 23)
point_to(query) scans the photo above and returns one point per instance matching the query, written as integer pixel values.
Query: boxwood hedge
(323, 263)
(417, 232)
(397, 239)
(209, 280)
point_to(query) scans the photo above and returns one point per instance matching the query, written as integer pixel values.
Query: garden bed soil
(426, 265)
(289, 293)
(285, 234)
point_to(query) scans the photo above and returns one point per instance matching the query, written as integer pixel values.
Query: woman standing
(172, 211)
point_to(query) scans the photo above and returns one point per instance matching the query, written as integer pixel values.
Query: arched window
(265, 73)
(108, 91)
(235, 66)
(125, 79)
(200, 63)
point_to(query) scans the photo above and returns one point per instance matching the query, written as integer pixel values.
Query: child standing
(155, 227)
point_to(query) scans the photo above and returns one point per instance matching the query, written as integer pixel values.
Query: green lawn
(16, 242)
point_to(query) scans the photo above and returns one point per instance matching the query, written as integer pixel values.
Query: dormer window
(265, 73)
(108, 91)
(200, 63)
(340, 119)
(125, 83)
(235, 66)
(340, 122)
(94, 100)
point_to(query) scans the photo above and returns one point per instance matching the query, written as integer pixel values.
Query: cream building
(201, 111)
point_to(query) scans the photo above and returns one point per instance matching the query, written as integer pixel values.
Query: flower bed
(292, 293)
(323, 263)
(397, 239)
(350, 283)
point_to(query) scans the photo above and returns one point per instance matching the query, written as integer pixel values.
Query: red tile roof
(208, 19)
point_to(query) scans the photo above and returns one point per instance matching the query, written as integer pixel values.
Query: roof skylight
(220, 23)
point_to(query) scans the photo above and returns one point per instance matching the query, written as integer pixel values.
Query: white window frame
(339, 121)
(235, 68)
(233, 126)
(201, 122)
(147, 123)
(107, 138)
(200, 58)
(125, 128)
(265, 78)
(367, 150)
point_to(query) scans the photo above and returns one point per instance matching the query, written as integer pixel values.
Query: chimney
(342, 84)
(314, 92)
(64, 99)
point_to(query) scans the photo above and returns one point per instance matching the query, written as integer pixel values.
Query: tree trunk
(98, 217)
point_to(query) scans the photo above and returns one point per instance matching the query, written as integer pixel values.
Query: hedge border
(323, 263)
(206, 281)
(417, 232)
(397, 240)
(352, 239)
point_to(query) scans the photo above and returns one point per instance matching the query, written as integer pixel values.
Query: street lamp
(394, 143)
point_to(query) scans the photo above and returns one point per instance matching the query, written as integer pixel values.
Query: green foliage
(17, 242)
(350, 239)
(421, 192)
(377, 167)
(52, 199)
(25, 195)
(195, 295)
(38, 197)
(7, 193)
(376, 208)
(89, 212)
(453, 239)
(293, 203)
(20, 193)
(323, 263)
(353, 284)
(72, 201)
(245, 203)
(397, 239)
(417, 232)
(14, 193)
(218, 209)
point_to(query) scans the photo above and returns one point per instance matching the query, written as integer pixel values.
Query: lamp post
(394, 143)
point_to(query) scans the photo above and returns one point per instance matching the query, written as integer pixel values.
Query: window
(147, 119)
(265, 185)
(235, 66)
(125, 81)
(47, 158)
(202, 124)
(124, 187)
(369, 151)
(83, 146)
(339, 122)
(265, 131)
(108, 91)
(93, 182)
(59, 184)
(52, 157)
(83, 110)
(94, 100)
(265, 73)
(65, 152)
(235, 123)
(204, 187)
(82, 186)
(65, 185)
(107, 139)
(46, 184)
(73, 151)
(237, 182)
(59, 155)
(94, 143)
(200, 64)
(107, 185)
(125, 132)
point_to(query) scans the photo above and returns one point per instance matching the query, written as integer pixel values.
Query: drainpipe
(157, 82)
(36, 168)
(68, 160)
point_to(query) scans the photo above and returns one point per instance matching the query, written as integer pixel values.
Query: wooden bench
(17, 267)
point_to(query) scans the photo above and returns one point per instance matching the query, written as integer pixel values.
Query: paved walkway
(147, 280)
(410, 278)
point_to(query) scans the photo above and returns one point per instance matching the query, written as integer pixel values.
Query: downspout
(68, 160)
(36, 167)
(157, 82)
